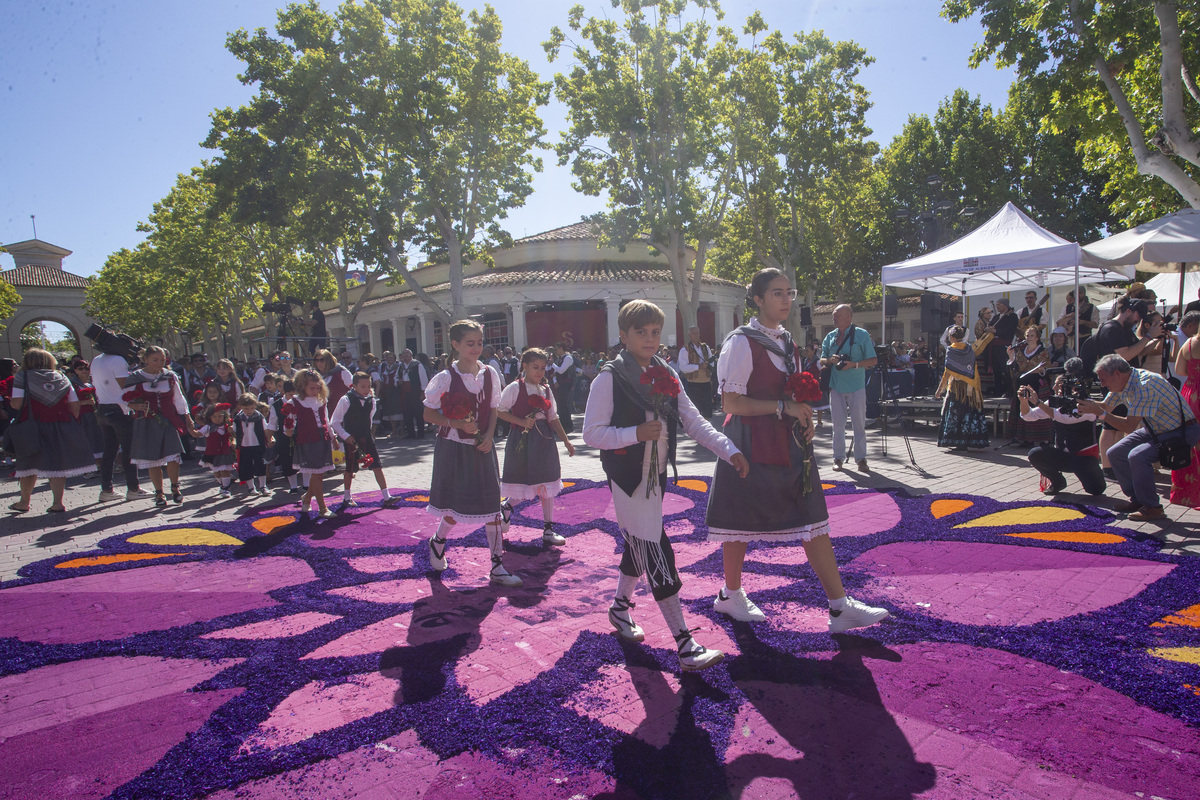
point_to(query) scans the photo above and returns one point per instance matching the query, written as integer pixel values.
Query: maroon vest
(521, 407)
(311, 428)
(769, 435)
(483, 405)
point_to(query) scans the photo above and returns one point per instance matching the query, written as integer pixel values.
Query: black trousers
(251, 463)
(655, 560)
(1052, 463)
(701, 396)
(118, 435)
(414, 419)
(564, 396)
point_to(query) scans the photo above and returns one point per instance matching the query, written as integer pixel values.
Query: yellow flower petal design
(1184, 655)
(944, 508)
(268, 524)
(1032, 515)
(568, 484)
(1086, 537)
(95, 561)
(695, 486)
(423, 498)
(185, 537)
(826, 486)
(1189, 617)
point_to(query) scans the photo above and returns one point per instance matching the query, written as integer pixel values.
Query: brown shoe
(1148, 513)
(1126, 506)
(837, 463)
(862, 466)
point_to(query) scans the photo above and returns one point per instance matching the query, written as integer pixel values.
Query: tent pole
(882, 311)
(1077, 306)
(1182, 274)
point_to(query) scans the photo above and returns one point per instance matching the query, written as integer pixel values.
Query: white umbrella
(1155, 246)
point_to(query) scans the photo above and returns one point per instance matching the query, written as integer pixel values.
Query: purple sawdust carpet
(1035, 651)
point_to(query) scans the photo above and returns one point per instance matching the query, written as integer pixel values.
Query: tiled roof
(44, 277)
(873, 305)
(578, 230)
(558, 272)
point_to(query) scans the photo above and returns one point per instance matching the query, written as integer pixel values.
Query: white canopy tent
(1166, 286)
(1156, 246)
(1009, 251)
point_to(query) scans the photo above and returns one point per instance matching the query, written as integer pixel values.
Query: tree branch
(1175, 124)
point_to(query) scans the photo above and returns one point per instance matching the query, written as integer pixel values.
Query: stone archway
(48, 294)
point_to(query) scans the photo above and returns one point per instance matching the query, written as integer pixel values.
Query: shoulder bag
(1173, 453)
(21, 438)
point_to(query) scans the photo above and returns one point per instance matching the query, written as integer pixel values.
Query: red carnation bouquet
(541, 407)
(289, 412)
(139, 395)
(803, 387)
(663, 388)
(461, 405)
(6, 387)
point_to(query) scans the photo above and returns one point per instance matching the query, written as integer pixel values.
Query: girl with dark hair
(80, 376)
(161, 419)
(306, 419)
(466, 474)
(782, 500)
(531, 465)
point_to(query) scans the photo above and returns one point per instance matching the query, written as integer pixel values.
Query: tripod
(891, 393)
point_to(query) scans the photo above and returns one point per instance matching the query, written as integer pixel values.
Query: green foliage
(1115, 74)
(804, 156)
(388, 125)
(9, 300)
(654, 115)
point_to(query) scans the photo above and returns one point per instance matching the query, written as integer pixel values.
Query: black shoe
(1108, 473)
(160, 500)
(176, 495)
(1055, 488)
(1126, 506)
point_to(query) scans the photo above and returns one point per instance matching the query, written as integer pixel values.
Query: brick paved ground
(299, 665)
(1002, 474)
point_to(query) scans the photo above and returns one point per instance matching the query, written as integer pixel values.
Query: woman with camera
(963, 421)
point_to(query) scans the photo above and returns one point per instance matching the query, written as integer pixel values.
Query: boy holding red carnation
(635, 399)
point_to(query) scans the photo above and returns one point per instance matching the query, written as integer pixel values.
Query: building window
(439, 345)
(495, 330)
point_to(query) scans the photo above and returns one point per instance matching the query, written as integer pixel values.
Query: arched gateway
(48, 294)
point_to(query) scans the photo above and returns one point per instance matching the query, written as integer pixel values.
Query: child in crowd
(267, 397)
(283, 444)
(466, 479)
(227, 380)
(252, 439)
(620, 420)
(219, 453)
(161, 419)
(352, 422)
(531, 467)
(306, 420)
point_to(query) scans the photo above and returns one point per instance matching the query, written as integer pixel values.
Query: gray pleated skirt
(466, 482)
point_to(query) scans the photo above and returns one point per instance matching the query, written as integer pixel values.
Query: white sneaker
(264, 492)
(108, 495)
(549, 537)
(136, 494)
(694, 656)
(326, 514)
(622, 620)
(736, 605)
(502, 577)
(437, 554)
(855, 615)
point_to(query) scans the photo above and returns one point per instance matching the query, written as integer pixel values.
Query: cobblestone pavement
(229, 649)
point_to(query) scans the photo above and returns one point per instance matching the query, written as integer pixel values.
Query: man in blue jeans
(849, 352)
(1155, 407)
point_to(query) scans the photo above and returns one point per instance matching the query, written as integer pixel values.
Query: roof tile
(44, 277)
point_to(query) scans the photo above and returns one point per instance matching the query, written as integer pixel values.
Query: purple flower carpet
(1035, 650)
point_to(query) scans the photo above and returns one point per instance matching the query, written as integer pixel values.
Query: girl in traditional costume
(160, 419)
(963, 421)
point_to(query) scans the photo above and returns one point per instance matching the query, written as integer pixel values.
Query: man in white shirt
(695, 368)
(959, 322)
(109, 372)
(563, 370)
(414, 379)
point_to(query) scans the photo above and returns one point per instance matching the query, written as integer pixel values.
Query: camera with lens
(113, 343)
(283, 306)
(1077, 385)
(885, 356)
(1169, 327)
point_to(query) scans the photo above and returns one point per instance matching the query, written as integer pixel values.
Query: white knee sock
(225, 481)
(548, 509)
(672, 612)
(443, 530)
(293, 481)
(496, 545)
(626, 585)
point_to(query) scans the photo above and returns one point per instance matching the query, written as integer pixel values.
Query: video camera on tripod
(114, 344)
(1077, 385)
(282, 307)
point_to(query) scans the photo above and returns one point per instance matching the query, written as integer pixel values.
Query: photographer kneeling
(1073, 446)
(1152, 400)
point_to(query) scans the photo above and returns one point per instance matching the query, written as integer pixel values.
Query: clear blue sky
(105, 102)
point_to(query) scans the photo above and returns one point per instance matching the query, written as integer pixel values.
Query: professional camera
(113, 343)
(885, 356)
(283, 306)
(1077, 385)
